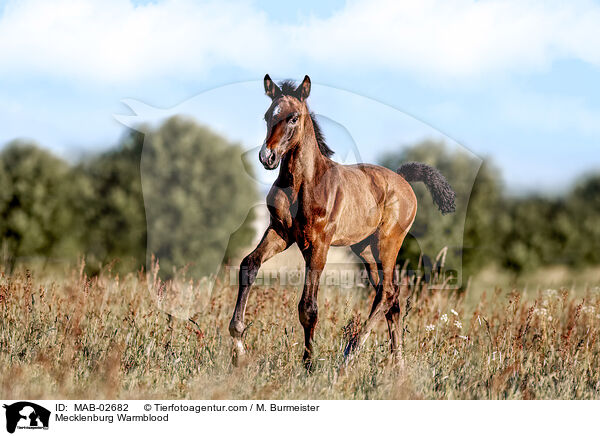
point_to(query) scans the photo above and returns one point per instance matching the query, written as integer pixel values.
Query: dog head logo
(26, 415)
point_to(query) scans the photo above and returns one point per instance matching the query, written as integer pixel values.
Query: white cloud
(111, 40)
(458, 37)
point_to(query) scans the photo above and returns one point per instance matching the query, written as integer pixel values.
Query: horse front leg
(271, 243)
(315, 259)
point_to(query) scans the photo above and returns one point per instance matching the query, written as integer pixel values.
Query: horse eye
(293, 119)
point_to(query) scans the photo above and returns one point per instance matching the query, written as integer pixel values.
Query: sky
(514, 81)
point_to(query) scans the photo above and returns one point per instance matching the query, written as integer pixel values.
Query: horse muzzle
(268, 158)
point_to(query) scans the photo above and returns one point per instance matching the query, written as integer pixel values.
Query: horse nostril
(271, 159)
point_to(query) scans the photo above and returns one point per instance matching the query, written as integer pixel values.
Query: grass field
(108, 337)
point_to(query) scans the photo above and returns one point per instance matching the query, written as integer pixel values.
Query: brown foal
(316, 203)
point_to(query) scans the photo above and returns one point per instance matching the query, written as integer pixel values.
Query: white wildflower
(454, 312)
(429, 328)
(445, 317)
(458, 324)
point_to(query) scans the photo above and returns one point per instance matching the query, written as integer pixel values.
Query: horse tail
(441, 191)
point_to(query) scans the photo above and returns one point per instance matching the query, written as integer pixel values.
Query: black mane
(288, 87)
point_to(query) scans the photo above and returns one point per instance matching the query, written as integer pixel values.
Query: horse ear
(271, 89)
(303, 91)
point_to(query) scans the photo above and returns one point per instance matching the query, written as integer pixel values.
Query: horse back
(370, 195)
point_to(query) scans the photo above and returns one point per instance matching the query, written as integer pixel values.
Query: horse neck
(305, 163)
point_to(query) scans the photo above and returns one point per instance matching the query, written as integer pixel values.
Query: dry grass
(106, 337)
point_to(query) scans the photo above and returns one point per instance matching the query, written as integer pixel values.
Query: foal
(316, 203)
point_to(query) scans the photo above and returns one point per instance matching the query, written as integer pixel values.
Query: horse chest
(300, 216)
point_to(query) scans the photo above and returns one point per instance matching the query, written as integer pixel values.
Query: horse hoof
(308, 363)
(350, 348)
(238, 357)
(396, 359)
(239, 360)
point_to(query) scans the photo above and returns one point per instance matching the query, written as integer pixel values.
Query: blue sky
(513, 80)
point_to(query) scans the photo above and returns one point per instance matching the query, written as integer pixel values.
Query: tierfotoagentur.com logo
(26, 415)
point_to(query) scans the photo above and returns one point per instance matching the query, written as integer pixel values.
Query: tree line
(179, 190)
(514, 232)
(196, 187)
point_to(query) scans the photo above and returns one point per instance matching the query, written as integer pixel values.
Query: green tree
(535, 235)
(486, 222)
(471, 232)
(35, 216)
(5, 195)
(110, 208)
(197, 192)
(582, 228)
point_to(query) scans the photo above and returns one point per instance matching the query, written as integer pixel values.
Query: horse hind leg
(392, 317)
(364, 251)
(386, 302)
(393, 313)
